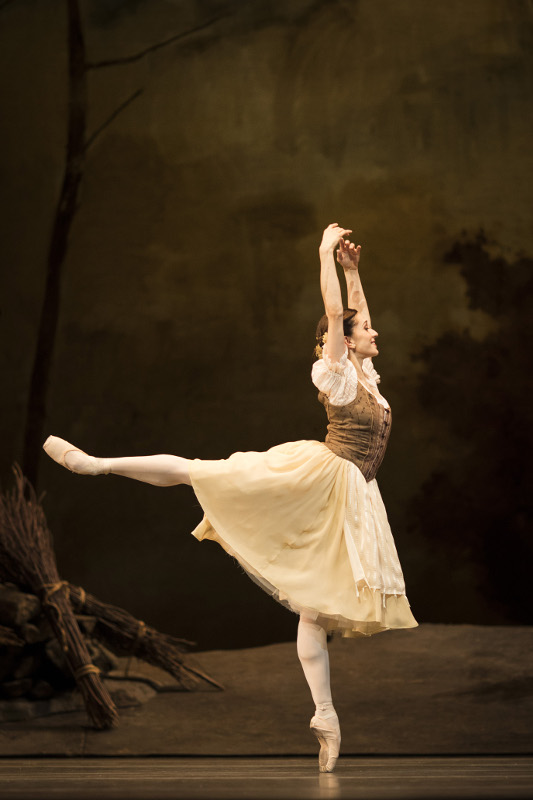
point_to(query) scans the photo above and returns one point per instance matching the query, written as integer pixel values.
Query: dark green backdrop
(223, 136)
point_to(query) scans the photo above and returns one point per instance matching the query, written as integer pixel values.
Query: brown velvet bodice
(358, 431)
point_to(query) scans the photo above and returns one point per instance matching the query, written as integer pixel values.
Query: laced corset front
(358, 431)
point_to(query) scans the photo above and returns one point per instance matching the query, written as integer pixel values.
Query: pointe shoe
(329, 738)
(58, 448)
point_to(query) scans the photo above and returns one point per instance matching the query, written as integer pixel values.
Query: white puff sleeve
(337, 379)
(370, 372)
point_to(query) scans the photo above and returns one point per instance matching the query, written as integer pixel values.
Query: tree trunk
(64, 216)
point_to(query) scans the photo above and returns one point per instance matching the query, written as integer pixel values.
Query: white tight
(312, 647)
(161, 470)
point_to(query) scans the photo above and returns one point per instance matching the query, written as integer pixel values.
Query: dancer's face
(363, 339)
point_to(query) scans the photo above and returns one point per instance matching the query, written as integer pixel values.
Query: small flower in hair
(321, 342)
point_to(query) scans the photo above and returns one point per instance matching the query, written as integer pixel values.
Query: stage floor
(371, 778)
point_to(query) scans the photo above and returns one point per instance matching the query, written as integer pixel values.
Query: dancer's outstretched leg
(160, 470)
(312, 647)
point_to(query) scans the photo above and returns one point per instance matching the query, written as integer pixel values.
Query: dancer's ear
(350, 344)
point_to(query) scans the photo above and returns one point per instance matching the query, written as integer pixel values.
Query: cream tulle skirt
(307, 527)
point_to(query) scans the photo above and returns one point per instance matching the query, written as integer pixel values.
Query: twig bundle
(27, 556)
(123, 633)
(9, 638)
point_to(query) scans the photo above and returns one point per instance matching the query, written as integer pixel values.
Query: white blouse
(338, 379)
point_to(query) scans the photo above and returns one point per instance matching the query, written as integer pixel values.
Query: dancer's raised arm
(331, 290)
(348, 257)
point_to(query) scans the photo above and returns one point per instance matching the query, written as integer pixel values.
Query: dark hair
(348, 319)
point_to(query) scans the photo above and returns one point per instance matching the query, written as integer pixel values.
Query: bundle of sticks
(27, 558)
(126, 635)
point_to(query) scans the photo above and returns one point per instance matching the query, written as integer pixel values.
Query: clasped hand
(347, 254)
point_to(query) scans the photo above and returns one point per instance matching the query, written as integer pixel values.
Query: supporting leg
(312, 647)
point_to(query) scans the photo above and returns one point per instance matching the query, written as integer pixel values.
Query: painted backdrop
(210, 143)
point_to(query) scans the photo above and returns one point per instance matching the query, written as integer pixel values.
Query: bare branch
(92, 138)
(112, 62)
(65, 211)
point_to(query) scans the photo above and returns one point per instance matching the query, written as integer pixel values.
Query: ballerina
(305, 519)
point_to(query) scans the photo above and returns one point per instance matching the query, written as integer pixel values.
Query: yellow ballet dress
(305, 519)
